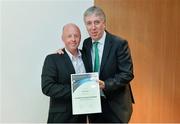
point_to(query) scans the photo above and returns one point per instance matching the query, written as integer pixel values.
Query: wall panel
(153, 30)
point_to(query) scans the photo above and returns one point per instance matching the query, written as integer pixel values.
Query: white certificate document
(85, 93)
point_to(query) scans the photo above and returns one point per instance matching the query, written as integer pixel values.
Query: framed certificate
(85, 93)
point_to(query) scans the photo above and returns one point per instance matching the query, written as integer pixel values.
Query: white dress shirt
(100, 49)
(77, 62)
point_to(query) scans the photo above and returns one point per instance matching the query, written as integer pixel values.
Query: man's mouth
(94, 33)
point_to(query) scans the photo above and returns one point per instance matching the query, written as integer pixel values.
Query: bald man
(55, 78)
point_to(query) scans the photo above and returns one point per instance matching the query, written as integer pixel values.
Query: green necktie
(96, 58)
(96, 61)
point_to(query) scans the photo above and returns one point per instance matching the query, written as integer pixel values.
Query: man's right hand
(60, 51)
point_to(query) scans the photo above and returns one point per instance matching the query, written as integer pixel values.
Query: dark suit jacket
(117, 72)
(56, 83)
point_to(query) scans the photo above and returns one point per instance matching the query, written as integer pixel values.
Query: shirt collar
(71, 56)
(102, 40)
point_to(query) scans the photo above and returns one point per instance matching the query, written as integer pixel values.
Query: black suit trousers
(60, 117)
(107, 115)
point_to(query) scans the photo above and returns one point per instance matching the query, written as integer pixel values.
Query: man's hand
(59, 51)
(101, 84)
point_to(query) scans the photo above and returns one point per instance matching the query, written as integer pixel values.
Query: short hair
(72, 24)
(95, 10)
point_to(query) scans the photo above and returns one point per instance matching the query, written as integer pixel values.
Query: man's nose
(73, 38)
(93, 26)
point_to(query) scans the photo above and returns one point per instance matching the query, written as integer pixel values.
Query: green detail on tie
(96, 59)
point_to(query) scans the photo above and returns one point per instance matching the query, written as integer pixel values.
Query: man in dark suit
(56, 82)
(115, 68)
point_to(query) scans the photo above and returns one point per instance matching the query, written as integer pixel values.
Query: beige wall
(152, 28)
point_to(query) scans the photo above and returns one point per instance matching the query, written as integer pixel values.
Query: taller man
(110, 56)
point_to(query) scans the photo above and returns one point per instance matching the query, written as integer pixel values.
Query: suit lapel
(106, 51)
(85, 61)
(89, 47)
(68, 64)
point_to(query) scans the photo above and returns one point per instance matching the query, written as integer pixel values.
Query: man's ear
(62, 38)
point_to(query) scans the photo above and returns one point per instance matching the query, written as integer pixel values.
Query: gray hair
(95, 10)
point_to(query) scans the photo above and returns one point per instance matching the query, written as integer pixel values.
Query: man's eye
(96, 22)
(69, 36)
(88, 23)
(76, 36)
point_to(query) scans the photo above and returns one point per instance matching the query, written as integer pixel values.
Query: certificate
(85, 93)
